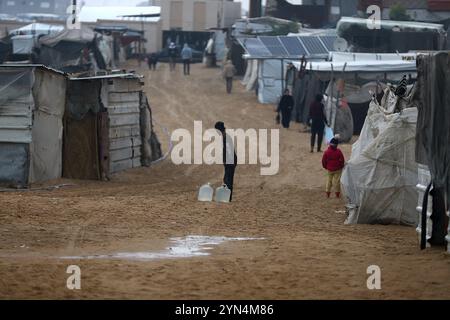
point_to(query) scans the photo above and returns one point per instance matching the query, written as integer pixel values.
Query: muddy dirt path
(306, 251)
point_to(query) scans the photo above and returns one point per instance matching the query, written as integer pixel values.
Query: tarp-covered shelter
(391, 36)
(74, 50)
(32, 100)
(433, 137)
(380, 177)
(352, 79)
(37, 29)
(271, 53)
(107, 127)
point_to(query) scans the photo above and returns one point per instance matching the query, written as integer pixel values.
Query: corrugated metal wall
(124, 124)
(16, 106)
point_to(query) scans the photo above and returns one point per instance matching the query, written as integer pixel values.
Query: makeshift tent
(380, 177)
(75, 50)
(433, 136)
(352, 80)
(5, 49)
(107, 127)
(37, 29)
(271, 53)
(391, 36)
(32, 100)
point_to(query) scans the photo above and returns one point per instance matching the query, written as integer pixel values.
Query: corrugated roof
(93, 14)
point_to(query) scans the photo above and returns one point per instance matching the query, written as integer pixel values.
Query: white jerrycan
(205, 193)
(223, 194)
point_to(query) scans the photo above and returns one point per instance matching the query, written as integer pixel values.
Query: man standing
(229, 157)
(228, 73)
(318, 122)
(285, 107)
(186, 56)
(172, 55)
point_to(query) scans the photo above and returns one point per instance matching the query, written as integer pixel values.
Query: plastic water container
(205, 194)
(223, 194)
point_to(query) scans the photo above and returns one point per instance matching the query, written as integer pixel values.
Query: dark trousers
(187, 67)
(286, 118)
(152, 65)
(228, 178)
(317, 129)
(229, 84)
(172, 63)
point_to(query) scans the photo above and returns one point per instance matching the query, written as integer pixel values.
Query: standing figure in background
(333, 161)
(228, 73)
(285, 107)
(186, 56)
(152, 61)
(318, 121)
(172, 55)
(290, 77)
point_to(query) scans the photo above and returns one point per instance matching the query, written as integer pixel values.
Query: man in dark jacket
(229, 157)
(286, 106)
(318, 122)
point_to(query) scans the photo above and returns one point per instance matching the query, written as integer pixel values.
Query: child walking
(333, 161)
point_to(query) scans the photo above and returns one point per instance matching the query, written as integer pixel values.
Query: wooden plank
(124, 108)
(125, 153)
(131, 119)
(137, 163)
(117, 166)
(123, 132)
(118, 98)
(128, 142)
(15, 135)
(121, 154)
(15, 121)
(124, 85)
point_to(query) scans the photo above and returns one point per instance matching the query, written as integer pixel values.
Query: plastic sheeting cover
(381, 175)
(433, 126)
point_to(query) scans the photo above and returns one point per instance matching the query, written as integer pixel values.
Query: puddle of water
(186, 247)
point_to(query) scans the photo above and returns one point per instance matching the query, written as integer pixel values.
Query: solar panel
(274, 45)
(255, 47)
(328, 41)
(293, 46)
(313, 45)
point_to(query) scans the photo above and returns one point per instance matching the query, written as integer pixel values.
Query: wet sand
(307, 251)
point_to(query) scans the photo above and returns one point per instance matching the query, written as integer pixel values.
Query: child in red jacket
(333, 161)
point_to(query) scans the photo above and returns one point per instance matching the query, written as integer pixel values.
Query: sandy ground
(307, 251)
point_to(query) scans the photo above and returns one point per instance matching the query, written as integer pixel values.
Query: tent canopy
(379, 66)
(83, 35)
(92, 14)
(37, 29)
(346, 22)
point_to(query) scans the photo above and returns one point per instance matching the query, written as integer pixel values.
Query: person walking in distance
(228, 73)
(172, 56)
(229, 157)
(333, 161)
(186, 56)
(285, 107)
(318, 122)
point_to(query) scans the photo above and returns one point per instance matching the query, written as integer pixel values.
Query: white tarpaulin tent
(37, 29)
(344, 68)
(379, 179)
(379, 66)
